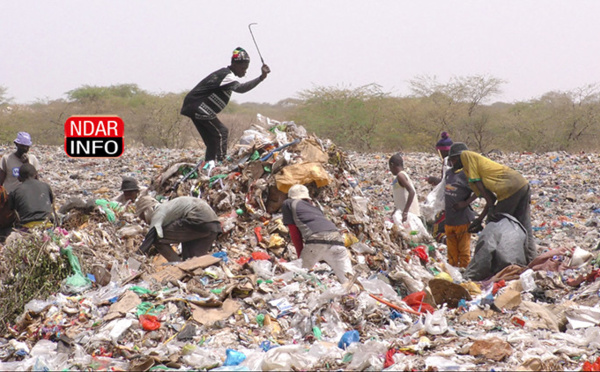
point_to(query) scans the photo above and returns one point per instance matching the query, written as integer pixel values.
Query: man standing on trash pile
(33, 200)
(308, 225)
(10, 164)
(211, 95)
(505, 190)
(186, 220)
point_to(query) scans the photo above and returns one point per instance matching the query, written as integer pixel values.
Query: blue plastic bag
(348, 338)
(234, 357)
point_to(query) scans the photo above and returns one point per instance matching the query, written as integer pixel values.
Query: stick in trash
(396, 307)
(185, 177)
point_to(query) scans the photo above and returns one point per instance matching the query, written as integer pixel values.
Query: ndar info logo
(94, 136)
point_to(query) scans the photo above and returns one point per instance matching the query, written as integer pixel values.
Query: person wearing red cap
(211, 95)
(10, 163)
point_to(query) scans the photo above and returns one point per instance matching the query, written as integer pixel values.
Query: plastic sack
(413, 228)
(436, 323)
(149, 322)
(434, 202)
(234, 357)
(348, 338)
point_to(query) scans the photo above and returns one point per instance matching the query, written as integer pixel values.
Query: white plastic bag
(434, 202)
(436, 323)
(413, 228)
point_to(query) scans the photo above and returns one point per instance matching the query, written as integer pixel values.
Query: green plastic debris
(141, 290)
(217, 290)
(77, 282)
(255, 156)
(261, 281)
(260, 319)
(213, 179)
(317, 332)
(149, 308)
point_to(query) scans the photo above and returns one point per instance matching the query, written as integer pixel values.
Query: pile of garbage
(251, 306)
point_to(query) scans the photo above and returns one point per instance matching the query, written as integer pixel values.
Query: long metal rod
(256, 45)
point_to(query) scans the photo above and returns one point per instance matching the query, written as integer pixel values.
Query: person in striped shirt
(211, 95)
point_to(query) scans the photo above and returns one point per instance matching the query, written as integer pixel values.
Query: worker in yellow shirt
(505, 190)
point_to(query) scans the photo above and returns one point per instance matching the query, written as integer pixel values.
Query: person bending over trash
(314, 236)
(501, 243)
(505, 190)
(33, 200)
(10, 163)
(211, 95)
(186, 220)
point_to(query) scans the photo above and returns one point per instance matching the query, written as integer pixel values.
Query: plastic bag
(262, 268)
(234, 357)
(413, 228)
(434, 202)
(77, 282)
(527, 281)
(349, 338)
(436, 323)
(149, 322)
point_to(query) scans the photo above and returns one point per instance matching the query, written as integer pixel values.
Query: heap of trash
(250, 305)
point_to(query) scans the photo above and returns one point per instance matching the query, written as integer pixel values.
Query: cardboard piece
(211, 315)
(198, 262)
(128, 302)
(169, 273)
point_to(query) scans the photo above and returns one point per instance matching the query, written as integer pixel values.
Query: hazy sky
(50, 47)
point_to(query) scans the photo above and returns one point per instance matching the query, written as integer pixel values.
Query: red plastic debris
(149, 322)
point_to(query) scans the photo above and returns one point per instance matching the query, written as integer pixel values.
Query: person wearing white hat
(314, 236)
(10, 163)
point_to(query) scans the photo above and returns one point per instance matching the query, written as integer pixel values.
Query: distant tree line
(363, 119)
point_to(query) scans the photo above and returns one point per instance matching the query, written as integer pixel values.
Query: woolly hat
(298, 192)
(444, 143)
(240, 55)
(23, 138)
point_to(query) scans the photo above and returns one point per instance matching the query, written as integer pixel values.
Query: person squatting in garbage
(211, 95)
(457, 199)
(32, 200)
(129, 191)
(504, 189)
(405, 196)
(10, 163)
(186, 220)
(314, 236)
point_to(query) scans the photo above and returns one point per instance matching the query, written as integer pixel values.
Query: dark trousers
(196, 240)
(518, 206)
(214, 134)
